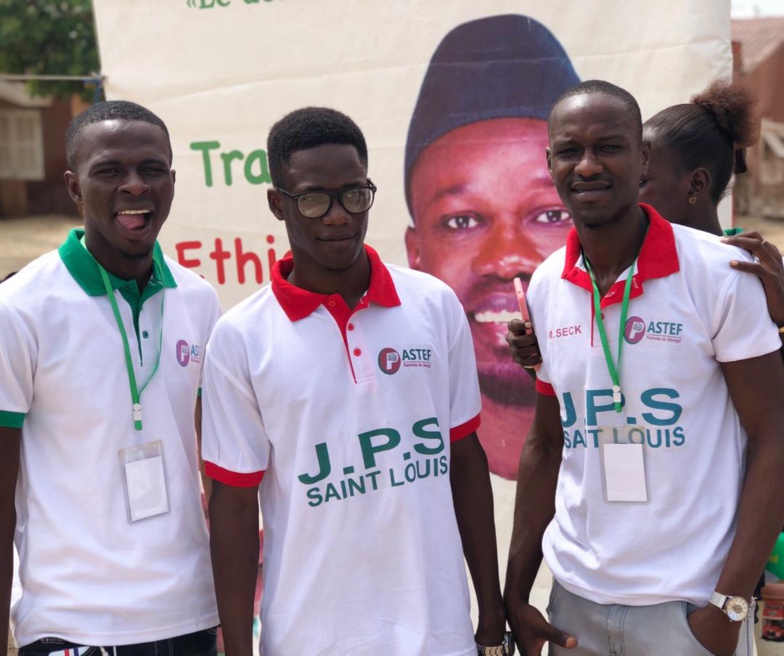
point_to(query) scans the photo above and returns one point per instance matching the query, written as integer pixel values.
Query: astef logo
(638, 329)
(390, 361)
(635, 330)
(186, 353)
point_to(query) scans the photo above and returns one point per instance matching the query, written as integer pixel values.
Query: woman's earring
(692, 200)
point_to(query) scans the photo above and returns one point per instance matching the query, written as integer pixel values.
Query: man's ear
(699, 182)
(74, 190)
(275, 202)
(412, 248)
(645, 151)
(173, 175)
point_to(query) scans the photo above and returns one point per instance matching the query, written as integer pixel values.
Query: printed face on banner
(485, 211)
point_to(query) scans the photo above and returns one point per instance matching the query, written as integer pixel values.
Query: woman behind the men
(695, 149)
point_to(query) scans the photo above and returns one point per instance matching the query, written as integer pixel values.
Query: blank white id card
(144, 480)
(624, 472)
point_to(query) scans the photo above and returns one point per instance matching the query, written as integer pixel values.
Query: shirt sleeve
(235, 447)
(465, 401)
(213, 314)
(742, 326)
(17, 356)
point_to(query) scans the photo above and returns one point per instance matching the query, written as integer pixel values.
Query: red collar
(658, 259)
(299, 303)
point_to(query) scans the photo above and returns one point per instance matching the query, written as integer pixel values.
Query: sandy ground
(23, 240)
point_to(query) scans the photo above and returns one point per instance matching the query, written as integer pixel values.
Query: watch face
(737, 608)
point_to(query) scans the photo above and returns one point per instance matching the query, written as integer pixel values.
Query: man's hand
(523, 344)
(531, 631)
(768, 267)
(714, 630)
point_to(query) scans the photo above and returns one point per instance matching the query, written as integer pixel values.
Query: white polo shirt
(87, 574)
(689, 312)
(348, 416)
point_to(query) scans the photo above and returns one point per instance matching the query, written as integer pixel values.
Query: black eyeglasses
(317, 204)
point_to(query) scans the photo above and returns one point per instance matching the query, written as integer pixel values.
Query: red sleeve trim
(545, 388)
(464, 430)
(232, 478)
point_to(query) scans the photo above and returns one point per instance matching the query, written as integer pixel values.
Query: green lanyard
(615, 370)
(136, 393)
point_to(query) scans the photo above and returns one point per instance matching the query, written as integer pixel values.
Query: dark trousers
(201, 643)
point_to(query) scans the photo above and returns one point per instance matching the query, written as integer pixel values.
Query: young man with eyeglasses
(344, 398)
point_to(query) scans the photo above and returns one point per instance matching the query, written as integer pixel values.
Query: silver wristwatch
(736, 608)
(506, 648)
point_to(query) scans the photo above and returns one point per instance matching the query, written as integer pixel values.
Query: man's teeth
(504, 316)
(133, 212)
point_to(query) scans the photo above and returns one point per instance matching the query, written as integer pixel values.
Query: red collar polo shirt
(688, 312)
(345, 417)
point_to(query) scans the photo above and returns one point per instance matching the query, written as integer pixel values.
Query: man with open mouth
(101, 346)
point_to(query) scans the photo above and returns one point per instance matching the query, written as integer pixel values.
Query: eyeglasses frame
(333, 196)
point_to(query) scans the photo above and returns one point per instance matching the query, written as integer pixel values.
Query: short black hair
(110, 110)
(308, 128)
(607, 88)
(711, 132)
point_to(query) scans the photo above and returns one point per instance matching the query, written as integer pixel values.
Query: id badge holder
(622, 458)
(144, 480)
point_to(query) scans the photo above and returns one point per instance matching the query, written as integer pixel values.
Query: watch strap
(718, 600)
(506, 648)
(495, 650)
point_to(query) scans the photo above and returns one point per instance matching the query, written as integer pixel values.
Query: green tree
(49, 37)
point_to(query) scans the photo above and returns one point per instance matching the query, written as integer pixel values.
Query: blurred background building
(758, 63)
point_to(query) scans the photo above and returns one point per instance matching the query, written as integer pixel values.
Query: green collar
(731, 232)
(84, 269)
